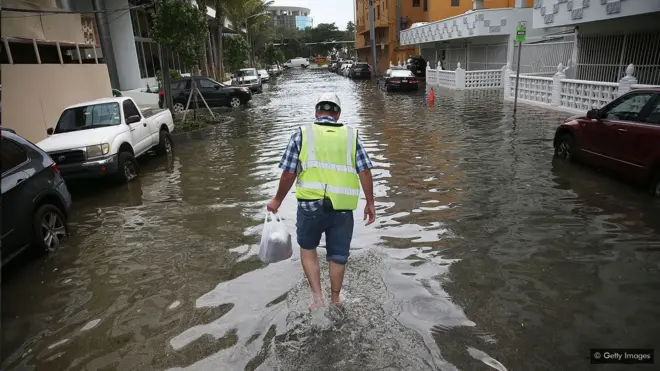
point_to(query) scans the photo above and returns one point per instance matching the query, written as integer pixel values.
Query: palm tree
(253, 15)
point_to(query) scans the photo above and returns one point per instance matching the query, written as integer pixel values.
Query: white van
(297, 62)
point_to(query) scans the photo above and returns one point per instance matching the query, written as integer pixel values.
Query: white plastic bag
(275, 241)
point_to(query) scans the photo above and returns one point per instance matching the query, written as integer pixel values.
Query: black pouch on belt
(327, 205)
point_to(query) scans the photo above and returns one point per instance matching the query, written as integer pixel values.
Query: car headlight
(97, 150)
(245, 90)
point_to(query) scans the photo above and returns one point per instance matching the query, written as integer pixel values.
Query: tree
(182, 28)
(236, 52)
(272, 55)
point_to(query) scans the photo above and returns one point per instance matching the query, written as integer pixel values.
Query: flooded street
(485, 254)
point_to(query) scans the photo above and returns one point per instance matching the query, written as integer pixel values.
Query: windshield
(362, 66)
(247, 73)
(263, 72)
(402, 73)
(88, 117)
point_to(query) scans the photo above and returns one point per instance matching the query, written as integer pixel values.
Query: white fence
(567, 94)
(462, 79)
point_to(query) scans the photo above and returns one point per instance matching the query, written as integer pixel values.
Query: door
(641, 140)
(608, 138)
(210, 91)
(15, 199)
(139, 130)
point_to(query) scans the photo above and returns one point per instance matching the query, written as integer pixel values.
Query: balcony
(555, 13)
(483, 22)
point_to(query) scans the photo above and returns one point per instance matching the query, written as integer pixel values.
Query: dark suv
(35, 199)
(417, 64)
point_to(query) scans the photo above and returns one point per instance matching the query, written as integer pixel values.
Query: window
(628, 108)
(88, 117)
(426, 5)
(130, 109)
(206, 83)
(416, 3)
(654, 115)
(378, 11)
(455, 2)
(402, 73)
(12, 155)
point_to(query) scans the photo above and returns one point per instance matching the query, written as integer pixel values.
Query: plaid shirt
(289, 162)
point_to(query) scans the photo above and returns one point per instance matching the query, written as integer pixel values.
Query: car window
(176, 85)
(88, 117)
(289, 61)
(654, 115)
(12, 155)
(130, 109)
(628, 108)
(206, 83)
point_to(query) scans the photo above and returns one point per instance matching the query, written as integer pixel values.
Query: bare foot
(335, 299)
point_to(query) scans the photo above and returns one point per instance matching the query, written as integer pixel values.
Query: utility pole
(372, 34)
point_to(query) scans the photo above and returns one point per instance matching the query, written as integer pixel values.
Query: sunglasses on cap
(328, 107)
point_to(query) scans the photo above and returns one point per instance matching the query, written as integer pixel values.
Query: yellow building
(388, 45)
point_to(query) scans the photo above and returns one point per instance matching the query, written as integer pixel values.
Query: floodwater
(486, 253)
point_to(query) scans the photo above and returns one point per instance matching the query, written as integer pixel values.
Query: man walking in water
(330, 163)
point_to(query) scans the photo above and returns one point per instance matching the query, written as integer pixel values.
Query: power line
(39, 12)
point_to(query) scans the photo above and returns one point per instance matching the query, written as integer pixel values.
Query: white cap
(329, 98)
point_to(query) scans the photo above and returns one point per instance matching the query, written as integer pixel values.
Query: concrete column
(106, 42)
(510, 49)
(123, 45)
(556, 86)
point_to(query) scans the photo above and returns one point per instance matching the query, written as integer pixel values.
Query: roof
(99, 101)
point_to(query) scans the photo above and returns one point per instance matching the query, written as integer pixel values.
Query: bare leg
(336, 280)
(310, 263)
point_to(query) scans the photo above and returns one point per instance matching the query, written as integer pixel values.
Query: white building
(594, 39)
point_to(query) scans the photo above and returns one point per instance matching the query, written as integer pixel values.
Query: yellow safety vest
(327, 165)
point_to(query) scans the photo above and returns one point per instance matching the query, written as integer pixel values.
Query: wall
(39, 93)
(552, 13)
(53, 27)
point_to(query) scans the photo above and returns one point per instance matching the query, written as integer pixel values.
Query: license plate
(357, 74)
(419, 70)
(405, 80)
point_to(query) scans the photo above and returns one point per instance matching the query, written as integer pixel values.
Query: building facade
(291, 17)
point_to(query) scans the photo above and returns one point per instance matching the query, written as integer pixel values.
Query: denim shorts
(338, 229)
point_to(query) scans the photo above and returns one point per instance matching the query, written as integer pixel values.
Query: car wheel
(235, 102)
(178, 107)
(164, 143)
(654, 187)
(128, 167)
(565, 147)
(50, 227)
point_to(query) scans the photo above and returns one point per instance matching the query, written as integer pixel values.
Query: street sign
(521, 32)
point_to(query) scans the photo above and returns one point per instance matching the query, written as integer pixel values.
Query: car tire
(128, 168)
(50, 227)
(164, 143)
(565, 147)
(654, 186)
(235, 102)
(178, 107)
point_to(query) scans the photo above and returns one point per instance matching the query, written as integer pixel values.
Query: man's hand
(369, 212)
(273, 205)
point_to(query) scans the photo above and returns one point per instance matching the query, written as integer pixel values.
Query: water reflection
(486, 253)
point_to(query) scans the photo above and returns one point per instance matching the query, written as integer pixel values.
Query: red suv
(623, 136)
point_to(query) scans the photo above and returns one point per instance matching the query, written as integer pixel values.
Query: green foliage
(236, 51)
(272, 55)
(182, 28)
(174, 75)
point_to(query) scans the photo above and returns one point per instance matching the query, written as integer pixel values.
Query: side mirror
(217, 87)
(594, 114)
(133, 119)
(49, 131)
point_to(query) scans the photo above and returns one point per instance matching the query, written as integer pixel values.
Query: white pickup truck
(103, 137)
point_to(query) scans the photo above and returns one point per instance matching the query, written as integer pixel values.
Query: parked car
(297, 62)
(104, 137)
(623, 137)
(249, 78)
(274, 70)
(417, 64)
(265, 77)
(398, 80)
(345, 67)
(332, 66)
(360, 71)
(215, 94)
(35, 199)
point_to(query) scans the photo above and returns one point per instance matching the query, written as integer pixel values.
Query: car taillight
(54, 167)
(161, 93)
(412, 80)
(395, 80)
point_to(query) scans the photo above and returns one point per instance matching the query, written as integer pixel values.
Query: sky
(324, 11)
